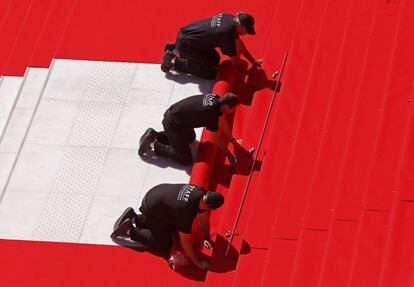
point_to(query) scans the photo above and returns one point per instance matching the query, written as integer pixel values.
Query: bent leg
(190, 135)
(162, 138)
(156, 235)
(178, 149)
(201, 63)
(195, 67)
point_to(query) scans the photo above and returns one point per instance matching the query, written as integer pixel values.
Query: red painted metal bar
(275, 91)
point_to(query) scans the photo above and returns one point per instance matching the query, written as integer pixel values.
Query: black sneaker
(167, 64)
(122, 230)
(169, 47)
(145, 140)
(128, 213)
(128, 242)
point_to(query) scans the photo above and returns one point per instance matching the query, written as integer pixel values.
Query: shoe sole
(145, 140)
(168, 56)
(117, 232)
(169, 47)
(123, 217)
(130, 243)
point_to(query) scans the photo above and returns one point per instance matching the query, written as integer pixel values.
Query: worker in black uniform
(194, 51)
(179, 123)
(165, 210)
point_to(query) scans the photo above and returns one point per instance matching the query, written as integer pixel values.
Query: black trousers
(202, 63)
(174, 141)
(154, 233)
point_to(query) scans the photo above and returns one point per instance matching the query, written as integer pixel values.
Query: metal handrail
(275, 91)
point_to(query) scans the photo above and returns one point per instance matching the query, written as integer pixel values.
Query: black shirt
(196, 111)
(175, 205)
(216, 31)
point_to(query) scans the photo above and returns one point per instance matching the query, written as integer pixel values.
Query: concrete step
(21, 110)
(9, 91)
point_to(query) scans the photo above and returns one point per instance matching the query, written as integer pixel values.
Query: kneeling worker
(180, 120)
(195, 49)
(166, 209)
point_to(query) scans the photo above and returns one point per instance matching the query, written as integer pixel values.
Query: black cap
(214, 200)
(247, 21)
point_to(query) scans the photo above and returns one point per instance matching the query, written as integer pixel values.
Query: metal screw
(275, 73)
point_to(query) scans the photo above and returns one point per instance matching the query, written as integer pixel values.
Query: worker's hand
(253, 70)
(209, 244)
(232, 159)
(202, 264)
(258, 63)
(237, 143)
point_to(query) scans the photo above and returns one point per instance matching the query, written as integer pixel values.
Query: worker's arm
(242, 49)
(204, 221)
(224, 127)
(185, 240)
(238, 63)
(219, 142)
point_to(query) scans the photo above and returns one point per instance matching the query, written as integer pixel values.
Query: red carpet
(207, 150)
(61, 264)
(331, 201)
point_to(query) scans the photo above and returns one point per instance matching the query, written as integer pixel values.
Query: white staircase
(68, 155)
(9, 91)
